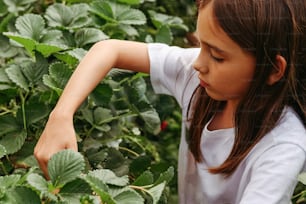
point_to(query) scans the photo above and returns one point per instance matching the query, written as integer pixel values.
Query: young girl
(242, 94)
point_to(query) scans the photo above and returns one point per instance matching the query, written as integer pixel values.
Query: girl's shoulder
(288, 131)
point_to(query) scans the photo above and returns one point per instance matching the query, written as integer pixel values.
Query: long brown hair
(265, 28)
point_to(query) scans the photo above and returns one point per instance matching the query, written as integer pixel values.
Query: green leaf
(103, 9)
(9, 181)
(109, 177)
(59, 74)
(31, 25)
(71, 57)
(102, 115)
(8, 124)
(35, 110)
(118, 13)
(164, 35)
(2, 151)
(38, 182)
(130, 2)
(15, 6)
(302, 178)
(159, 20)
(146, 178)
(156, 192)
(152, 121)
(100, 188)
(3, 77)
(165, 176)
(129, 16)
(22, 194)
(47, 49)
(140, 164)
(6, 49)
(67, 17)
(86, 36)
(15, 74)
(65, 166)
(34, 71)
(3, 9)
(13, 141)
(78, 185)
(102, 94)
(128, 196)
(53, 37)
(129, 30)
(28, 43)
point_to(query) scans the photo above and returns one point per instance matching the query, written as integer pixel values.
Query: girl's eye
(217, 59)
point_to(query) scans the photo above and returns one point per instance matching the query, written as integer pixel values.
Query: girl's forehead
(209, 31)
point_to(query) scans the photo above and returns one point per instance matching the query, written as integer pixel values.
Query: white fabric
(269, 173)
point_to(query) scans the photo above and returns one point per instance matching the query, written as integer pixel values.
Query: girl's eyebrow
(214, 47)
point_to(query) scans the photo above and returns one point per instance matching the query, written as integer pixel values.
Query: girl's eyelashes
(217, 59)
(208, 50)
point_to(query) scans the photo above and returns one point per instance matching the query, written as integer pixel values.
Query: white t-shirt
(268, 174)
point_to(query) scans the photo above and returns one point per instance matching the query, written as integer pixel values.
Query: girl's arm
(59, 133)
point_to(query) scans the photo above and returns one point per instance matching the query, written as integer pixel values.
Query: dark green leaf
(146, 178)
(165, 176)
(24, 195)
(59, 74)
(8, 124)
(34, 71)
(164, 35)
(102, 94)
(140, 164)
(102, 115)
(13, 141)
(152, 121)
(35, 110)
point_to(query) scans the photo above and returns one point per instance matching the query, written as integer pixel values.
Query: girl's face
(225, 69)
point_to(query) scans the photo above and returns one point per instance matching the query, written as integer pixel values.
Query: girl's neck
(223, 119)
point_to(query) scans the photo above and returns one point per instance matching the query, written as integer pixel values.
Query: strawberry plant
(118, 126)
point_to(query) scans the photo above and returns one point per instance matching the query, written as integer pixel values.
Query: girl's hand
(58, 135)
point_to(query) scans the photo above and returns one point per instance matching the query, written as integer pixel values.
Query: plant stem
(23, 99)
(130, 151)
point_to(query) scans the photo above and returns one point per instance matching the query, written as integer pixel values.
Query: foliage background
(127, 136)
(121, 127)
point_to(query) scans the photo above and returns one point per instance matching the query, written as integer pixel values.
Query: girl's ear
(278, 71)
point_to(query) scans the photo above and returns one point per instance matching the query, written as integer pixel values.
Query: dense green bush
(124, 157)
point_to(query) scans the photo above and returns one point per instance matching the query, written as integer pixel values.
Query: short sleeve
(171, 70)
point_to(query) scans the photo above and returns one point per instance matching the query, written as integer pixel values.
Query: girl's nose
(200, 64)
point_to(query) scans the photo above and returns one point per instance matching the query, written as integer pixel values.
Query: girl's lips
(204, 84)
